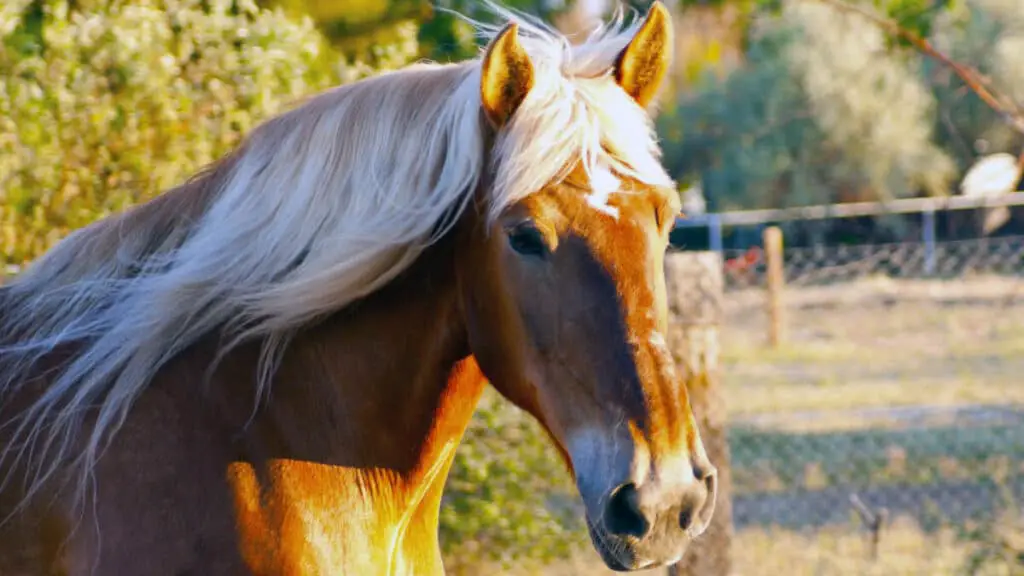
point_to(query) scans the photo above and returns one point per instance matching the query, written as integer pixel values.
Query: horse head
(564, 294)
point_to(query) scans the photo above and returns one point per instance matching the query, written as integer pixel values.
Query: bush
(108, 103)
(509, 497)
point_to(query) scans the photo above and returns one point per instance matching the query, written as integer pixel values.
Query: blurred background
(870, 408)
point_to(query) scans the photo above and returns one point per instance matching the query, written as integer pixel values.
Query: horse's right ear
(507, 76)
(643, 64)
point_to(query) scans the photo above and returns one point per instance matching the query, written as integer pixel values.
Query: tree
(985, 35)
(828, 107)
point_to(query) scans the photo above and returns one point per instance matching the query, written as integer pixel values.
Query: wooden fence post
(775, 279)
(694, 285)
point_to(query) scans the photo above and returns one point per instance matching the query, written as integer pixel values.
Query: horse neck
(363, 418)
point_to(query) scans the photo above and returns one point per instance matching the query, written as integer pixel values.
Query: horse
(267, 369)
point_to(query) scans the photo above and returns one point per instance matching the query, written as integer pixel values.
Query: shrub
(509, 497)
(108, 103)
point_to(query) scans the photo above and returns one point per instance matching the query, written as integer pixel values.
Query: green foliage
(872, 103)
(445, 36)
(915, 16)
(751, 138)
(918, 17)
(767, 5)
(509, 496)
(987, 35)
(399, 49)
(996, 543)
(105, 103)
(356, 27)
(824, 110)
(359, 29)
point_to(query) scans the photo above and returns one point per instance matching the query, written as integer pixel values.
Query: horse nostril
(623, 516)
(685, 518)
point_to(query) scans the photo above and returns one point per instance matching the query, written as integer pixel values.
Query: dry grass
(877, 343)
(905, 550)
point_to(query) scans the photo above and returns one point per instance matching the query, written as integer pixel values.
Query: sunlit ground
(904, 550)
(877, 343)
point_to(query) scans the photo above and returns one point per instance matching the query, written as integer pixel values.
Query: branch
(873, 521)
(1010, 111)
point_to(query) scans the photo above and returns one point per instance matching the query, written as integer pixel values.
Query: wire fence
(885, 433)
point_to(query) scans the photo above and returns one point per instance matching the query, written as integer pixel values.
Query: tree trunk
(695, 286)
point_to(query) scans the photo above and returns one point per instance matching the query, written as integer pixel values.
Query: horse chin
(620, 559)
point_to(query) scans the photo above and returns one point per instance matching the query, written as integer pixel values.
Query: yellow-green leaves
(105, 103)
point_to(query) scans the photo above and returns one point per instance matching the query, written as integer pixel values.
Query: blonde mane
(320, 206)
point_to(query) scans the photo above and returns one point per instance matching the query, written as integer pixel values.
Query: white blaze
(602, 185)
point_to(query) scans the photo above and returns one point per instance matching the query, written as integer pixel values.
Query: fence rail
(850, 209)
(927, 207)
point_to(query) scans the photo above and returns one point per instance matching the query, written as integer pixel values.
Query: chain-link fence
(885, 433)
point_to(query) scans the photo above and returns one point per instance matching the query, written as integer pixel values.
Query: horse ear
(642, 65)
(507, 76)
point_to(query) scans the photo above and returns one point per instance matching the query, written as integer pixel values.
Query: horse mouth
(611, 550)
(621, 554)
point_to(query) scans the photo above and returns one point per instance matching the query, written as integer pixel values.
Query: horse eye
(527, 240)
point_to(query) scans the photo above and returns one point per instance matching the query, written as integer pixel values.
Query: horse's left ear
(641, 67)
